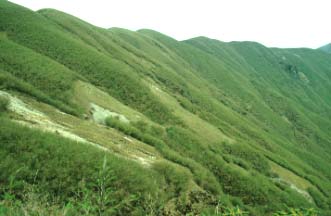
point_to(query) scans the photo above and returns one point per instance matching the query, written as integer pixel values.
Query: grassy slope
(225, 108)
(117, 77)
(289, 94)
(254, 87)
(326, 48)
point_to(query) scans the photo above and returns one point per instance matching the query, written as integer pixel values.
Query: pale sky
(276, 23)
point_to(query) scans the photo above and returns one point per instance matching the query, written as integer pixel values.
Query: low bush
(153, 130)
(4, 102)
(318, 197)
(295, 212)
(248, 155)
(63, 173)
(132, 131)
(9, 82)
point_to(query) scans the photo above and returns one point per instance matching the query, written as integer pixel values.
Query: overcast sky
(277, 23)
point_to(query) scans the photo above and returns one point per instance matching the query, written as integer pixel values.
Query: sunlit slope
(47, 38)
(207, 122)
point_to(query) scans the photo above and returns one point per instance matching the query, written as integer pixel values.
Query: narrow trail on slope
(33, 118)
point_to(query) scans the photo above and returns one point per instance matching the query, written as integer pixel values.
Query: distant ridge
(326, 48)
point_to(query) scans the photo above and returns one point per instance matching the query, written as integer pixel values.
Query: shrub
(9, 82)
(70, 173)
(4, 102)
(147, 128)
(248, 155)
(134, 132)
(294, 212)
(318, 197)
(241, 163)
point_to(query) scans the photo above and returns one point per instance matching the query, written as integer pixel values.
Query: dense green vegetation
(237, 128)
(46, 171)
(70, 54)
(4, 102)
(10, 82)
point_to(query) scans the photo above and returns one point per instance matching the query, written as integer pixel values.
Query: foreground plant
(297, 212)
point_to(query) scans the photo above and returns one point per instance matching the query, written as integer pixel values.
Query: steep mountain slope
(111, 121)
(326, 48)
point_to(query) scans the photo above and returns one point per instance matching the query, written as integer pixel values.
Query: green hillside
(326, 48)
(115, 122)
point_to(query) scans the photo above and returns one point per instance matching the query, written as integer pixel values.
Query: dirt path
(33, 118)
